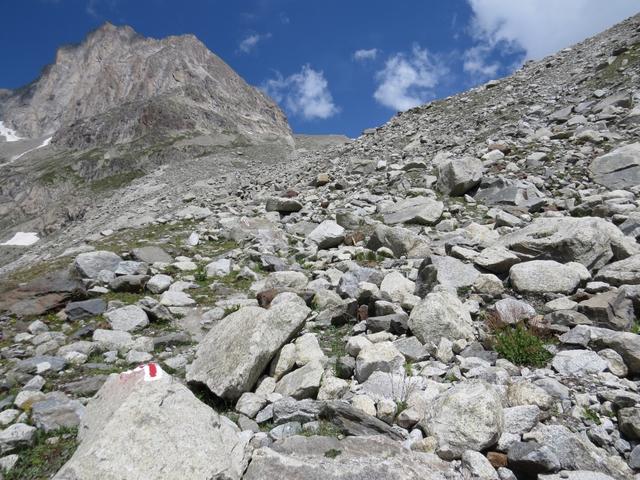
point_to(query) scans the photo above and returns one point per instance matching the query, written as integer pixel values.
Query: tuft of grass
(332, 453)
(590, 414)
(230, 310)
(522, 347)
(325, 429)
(332, 339)
(44, 458)
(635, 328)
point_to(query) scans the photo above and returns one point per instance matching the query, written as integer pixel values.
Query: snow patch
(22, 239)
(9, 134)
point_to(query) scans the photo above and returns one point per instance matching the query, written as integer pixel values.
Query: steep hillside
(454, 295)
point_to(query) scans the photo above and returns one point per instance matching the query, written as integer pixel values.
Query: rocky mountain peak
(118, 72)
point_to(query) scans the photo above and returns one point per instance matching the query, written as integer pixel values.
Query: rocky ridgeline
(454, 295)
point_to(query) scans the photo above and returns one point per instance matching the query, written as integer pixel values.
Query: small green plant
(332, 453)
(408, 369)
(231, 309)
(402, 405)
(522, 347)
(42, 460)
(590, 414)
(201, 274)
(635, 328)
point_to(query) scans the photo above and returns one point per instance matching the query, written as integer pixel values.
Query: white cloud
(475, 62)
(364, 54)
(542, 27)
(305, 93)
(250, 42)
(407, 81)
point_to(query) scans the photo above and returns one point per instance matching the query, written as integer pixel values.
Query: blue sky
(334, 66)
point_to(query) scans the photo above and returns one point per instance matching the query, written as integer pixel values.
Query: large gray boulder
(459, 175)
(618, 169)
(401, 241)
(468, 416)
(590, 241)
(89, 264)
(144, 424)
(421, 210)
(541, 276)
(626, 344)
(236, 351)
(56, 411)
(446, 271)
(576, 452)
(626, 271)
(353, 458)
(441, 314)
(327, 235)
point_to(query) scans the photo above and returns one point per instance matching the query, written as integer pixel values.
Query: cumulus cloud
(305, 93)
(250, 42)
(364, 54)
(476, 62)
(408, 80)
(541, 27)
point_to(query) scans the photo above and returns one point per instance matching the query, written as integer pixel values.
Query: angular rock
(441, 314)
(458, 176)
(353, 458)
(90, 264)
(303, 382)
(378, 357)
(542, 276)
(56, 411)
(327, 235)
(236, 351)
(114, 441)
(127, 319)
(619, 168)
(420, 210)
(593, 242)
(468, 416)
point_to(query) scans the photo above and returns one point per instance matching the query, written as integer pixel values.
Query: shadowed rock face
(117, 85)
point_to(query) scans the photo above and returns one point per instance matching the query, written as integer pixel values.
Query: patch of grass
(590, 414)
(635, 328)
(115, 181)
(367, 259)
(332, 453)
(34, 272)
(233, 281)
(332, 339)
(266, 426)
(124, 297)
(401, 406)
(522, 347)
(408, 369)
(230, 310)
(325, 429)
(43, 460)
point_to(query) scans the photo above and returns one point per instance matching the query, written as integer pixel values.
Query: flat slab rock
(144, 424)
(354, 458)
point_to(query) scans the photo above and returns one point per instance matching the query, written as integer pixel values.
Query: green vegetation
(590, 414)
(115, 181)
(33, 272)
(46, 457)
(325, 429)
(332, 453)
(522, 347)
(230, 310)
(402, 405)
(332, 339)
(635, 328)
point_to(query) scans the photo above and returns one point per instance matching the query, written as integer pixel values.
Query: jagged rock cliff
(117, 86)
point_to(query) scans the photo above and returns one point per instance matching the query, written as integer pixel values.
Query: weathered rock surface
(110, 448)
